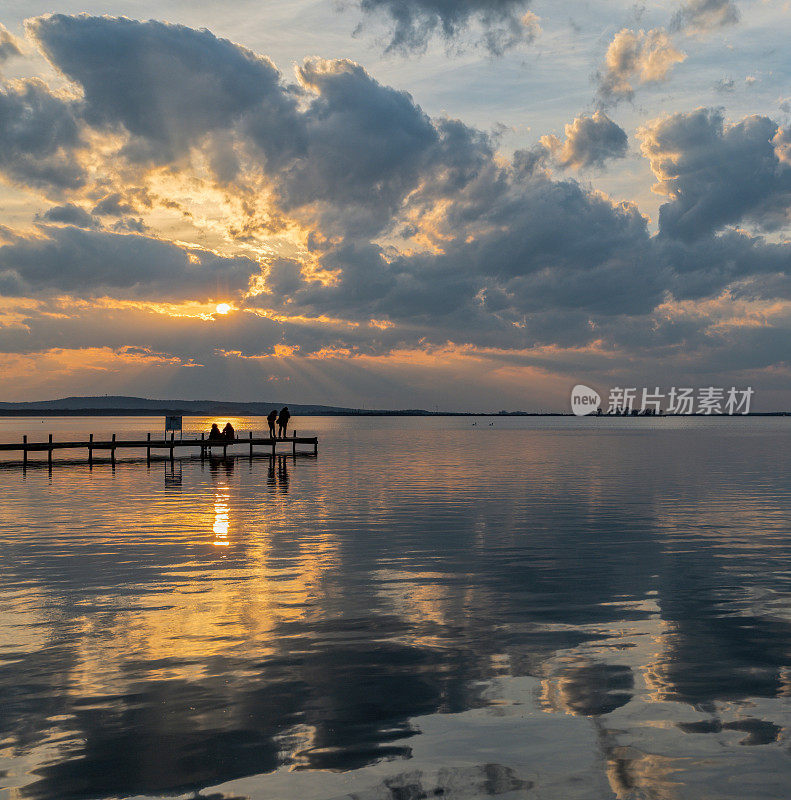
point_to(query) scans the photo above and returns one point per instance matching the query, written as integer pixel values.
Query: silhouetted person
(215, 434)
(228, 432)
(282, 422)
(272, 419)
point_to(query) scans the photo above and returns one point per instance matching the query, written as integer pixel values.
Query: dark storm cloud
(39, 133)
(701, 16)
(717, 175)
(504, 23)
(91, 263)
(167, 85)
(590, 142)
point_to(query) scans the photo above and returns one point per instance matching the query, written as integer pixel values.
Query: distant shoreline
(143, 412)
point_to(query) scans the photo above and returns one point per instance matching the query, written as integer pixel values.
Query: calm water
(545, 608)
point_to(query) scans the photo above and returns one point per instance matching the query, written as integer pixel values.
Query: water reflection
(221, 511)
(277, 477)
(173, 474)
(305, 615)
(590, 689)
(485, 780)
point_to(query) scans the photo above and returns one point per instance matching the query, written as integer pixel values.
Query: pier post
(202, 446)
(24, 452)
(251, 444)
(316, 447)
(294, 443)
(49, 452)
(90, 451)
(172, 434)
(274, 443)
(112, 451)
(148, 448)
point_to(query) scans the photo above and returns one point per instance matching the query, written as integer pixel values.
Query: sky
(469, 205)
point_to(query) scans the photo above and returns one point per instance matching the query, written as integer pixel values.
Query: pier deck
(204, 444)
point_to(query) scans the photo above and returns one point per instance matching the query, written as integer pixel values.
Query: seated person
(215, 435)
(228, 432)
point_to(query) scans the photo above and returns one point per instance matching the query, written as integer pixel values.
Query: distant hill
(120, 405)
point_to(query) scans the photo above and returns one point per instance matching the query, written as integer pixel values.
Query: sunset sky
(469, 204)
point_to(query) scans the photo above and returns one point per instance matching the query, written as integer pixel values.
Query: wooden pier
(206, 446)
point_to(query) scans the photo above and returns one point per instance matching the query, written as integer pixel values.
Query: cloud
(416, 223)
(70, 214)
(167, 85)
(731, 261)
(92, 263)
(501, 24)
(717, 174)
(702, 16)
(40, 134)
(510, 250)
(355, 144)
(782, 144)
(113, 205)
(590, 142)
(523, 260)
(364, 144)
(635, 57)
(10, 46)
(129, 224)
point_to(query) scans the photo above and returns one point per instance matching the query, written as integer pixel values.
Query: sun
(223, 308)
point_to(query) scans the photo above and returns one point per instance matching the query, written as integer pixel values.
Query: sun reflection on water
(221, 514)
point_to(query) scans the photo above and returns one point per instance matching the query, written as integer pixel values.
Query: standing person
(272, 419)
(282, 422)
(228, 432)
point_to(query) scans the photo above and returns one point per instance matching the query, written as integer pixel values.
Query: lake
(539, 608)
